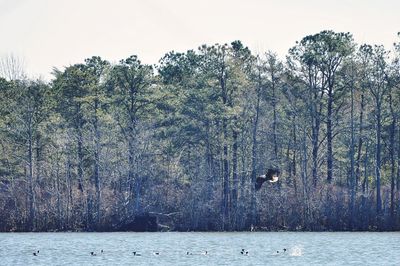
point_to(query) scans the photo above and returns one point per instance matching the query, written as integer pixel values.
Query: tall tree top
(326, 48)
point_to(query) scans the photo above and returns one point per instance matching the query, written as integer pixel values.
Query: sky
(58, 33)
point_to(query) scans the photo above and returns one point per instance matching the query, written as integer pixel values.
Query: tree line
(186, 138)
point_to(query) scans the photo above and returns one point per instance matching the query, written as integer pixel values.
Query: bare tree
(12, 67)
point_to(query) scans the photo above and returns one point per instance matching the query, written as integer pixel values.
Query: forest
(184, 140)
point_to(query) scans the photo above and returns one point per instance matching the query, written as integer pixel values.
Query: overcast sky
(57, 33)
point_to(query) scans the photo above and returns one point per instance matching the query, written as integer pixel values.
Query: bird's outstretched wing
(259, 181)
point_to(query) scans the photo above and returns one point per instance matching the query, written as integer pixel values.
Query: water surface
(222, 248)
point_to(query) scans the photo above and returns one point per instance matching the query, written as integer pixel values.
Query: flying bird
(271, 176)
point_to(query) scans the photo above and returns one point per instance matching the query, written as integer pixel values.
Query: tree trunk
(315, 148)
(360, 142)
(59, 203)
(38, 172)
(225, 170)
(304, 179)
(253, 203)
(235, 178)
(351, 153)
(378, 159)
(225, 159)
(210, 165)
(294, 162)
(329, 136)
(398, 175)
(96, 165)
(31, 190)
(138, 195)
(364, 207)
(315, 130)
(131, 169)
(392, 160)
(243, 178)
(68, 180)
(80, 158)
(398, 170)
(366, 171)
(274, 123)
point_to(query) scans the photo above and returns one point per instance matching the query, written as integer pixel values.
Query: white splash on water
(296, 251)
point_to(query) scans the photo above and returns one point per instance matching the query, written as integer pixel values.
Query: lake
(302, 248)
